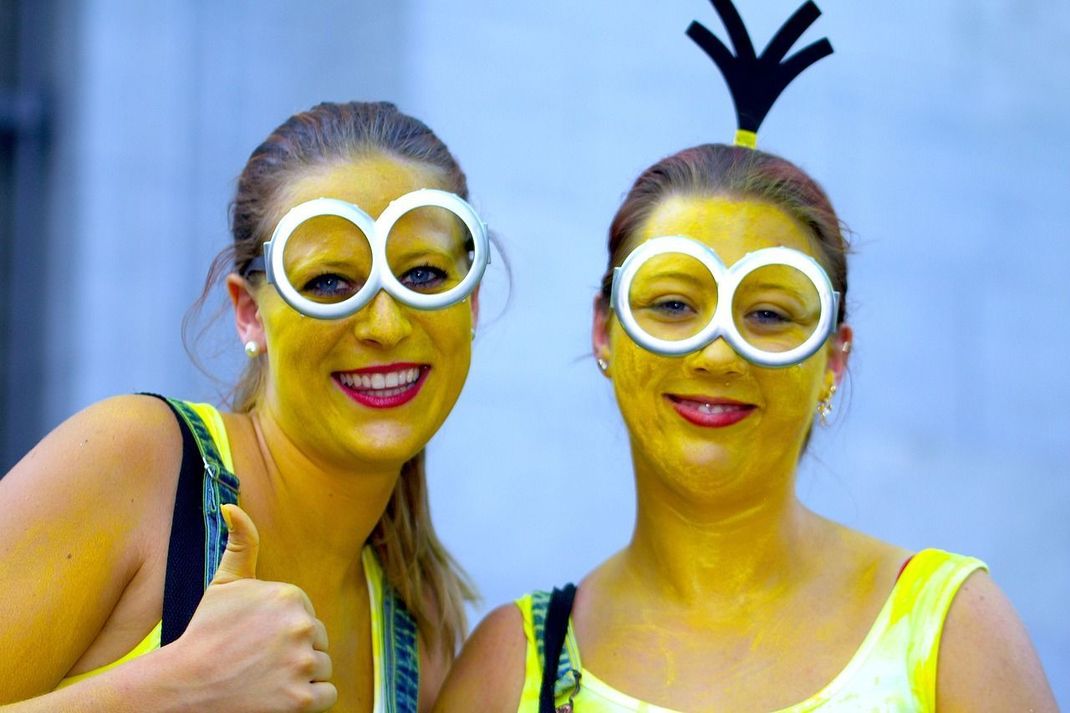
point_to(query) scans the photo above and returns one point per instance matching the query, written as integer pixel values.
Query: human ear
(600, 335)
(246, 311)
(839, 351)
(473, 299)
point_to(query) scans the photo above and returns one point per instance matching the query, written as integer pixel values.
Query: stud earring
(824, 406)
(602, 364)
(473, 334)
(252, 349)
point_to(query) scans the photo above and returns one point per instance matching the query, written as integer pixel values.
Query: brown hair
(414, 561)
(712, 169)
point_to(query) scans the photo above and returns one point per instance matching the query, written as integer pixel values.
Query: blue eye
(330, 286)
(673, 308)
(767, 317)
(424, 277)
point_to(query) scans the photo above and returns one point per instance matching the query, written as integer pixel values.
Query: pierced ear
(600, 334)
(839, 347)
(474, 301)
(246, 310)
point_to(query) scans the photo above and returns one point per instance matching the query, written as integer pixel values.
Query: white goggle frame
(376, 231)
(727, 280)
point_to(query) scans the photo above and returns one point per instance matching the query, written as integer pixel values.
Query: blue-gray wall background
(940, 129)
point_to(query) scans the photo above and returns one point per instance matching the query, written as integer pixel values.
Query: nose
(382, 322)
(717, 358)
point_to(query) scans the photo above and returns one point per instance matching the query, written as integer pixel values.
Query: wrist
(162, 681)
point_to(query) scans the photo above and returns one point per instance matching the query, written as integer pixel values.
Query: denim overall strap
(567, 680)
(198, 531)
(401, 661)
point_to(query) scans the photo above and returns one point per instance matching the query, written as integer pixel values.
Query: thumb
(243, 543)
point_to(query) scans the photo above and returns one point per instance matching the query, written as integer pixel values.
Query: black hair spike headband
(755, 82)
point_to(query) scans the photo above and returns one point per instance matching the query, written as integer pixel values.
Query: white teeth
(716, 408)
(390, 383)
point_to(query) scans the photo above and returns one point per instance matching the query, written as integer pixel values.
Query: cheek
(791, 394)
(449, 335)
(635, 375)
(288, 330)
(294, 341)
(296, 346)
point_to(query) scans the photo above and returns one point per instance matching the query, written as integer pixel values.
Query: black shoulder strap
(182, 589)
(198, 532)
(553, 639)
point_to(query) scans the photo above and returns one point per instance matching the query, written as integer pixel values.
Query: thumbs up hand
(254, 646)
(243, 546)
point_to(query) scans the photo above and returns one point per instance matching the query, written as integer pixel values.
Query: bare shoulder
(74, 516)
(107, 454)
(986, 660)
(867, 564)
(489, 673)
(856, 544)
(130, 429)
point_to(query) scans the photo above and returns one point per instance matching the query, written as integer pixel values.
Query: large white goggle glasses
(674, 295)
(328, 258)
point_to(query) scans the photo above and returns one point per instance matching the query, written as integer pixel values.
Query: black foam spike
(755, 81)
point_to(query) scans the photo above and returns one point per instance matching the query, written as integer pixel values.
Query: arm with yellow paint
(80, 514)
(72, 539)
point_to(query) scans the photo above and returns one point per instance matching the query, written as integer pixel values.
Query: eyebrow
(802, 299)
(305, 262)
(771, 286)
(680, 275)
(422, 254)
(436, 237)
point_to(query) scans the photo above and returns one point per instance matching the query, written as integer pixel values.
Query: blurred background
(940, 130)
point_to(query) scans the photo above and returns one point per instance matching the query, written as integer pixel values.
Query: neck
(743, 544)
(313, 518)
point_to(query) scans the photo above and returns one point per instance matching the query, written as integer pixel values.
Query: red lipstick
(710, 412)
(383, 386)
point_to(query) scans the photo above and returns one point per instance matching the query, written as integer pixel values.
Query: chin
(709, 463)
(388, 443)
(690, 462)
(706, 484)
(706, 451)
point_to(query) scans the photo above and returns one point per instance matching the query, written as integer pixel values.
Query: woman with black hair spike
(722, 325)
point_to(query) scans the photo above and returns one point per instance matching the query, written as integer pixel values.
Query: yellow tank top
(893, 670)
(372, 572)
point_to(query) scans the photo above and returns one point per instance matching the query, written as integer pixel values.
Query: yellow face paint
(712, 417)
(373, 387)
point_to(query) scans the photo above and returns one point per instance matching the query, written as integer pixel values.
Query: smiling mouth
(385, 386)
(710, 412)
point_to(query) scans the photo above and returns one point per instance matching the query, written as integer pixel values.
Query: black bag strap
(554, 633)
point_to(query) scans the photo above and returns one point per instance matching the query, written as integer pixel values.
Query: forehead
(369, 182)
(731, 226)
